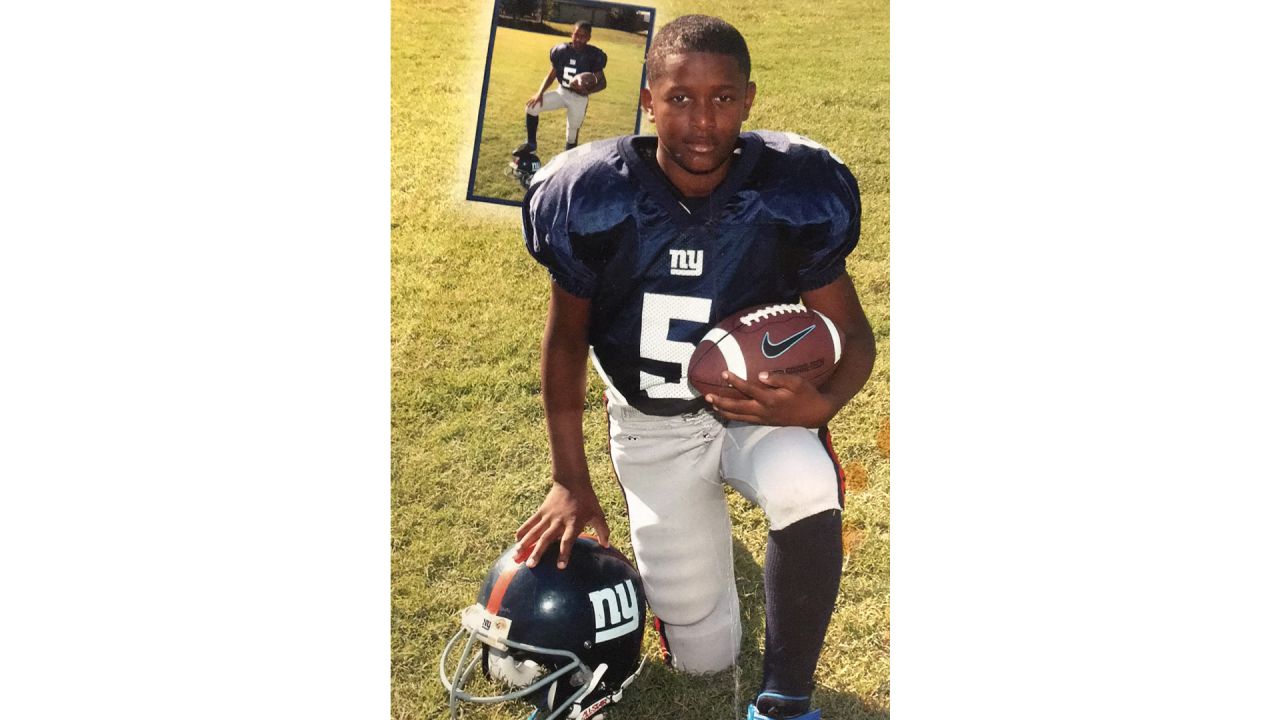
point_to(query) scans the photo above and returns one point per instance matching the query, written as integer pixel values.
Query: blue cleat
(774, 706)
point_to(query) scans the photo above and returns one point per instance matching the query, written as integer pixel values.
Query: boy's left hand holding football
(779, 399)
(776, 399)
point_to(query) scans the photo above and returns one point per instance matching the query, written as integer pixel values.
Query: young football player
(568, 60)
(767, 218)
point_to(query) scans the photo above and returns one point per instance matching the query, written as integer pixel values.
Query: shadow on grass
(661, 691)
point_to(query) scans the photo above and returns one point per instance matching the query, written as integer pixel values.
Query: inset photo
(560, 73)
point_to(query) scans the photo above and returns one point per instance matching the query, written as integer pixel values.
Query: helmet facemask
(555, 681)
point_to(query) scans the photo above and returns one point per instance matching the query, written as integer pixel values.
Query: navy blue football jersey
(660, 270)
(569, 62)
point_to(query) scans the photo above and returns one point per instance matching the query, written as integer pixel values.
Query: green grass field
(468, 451)
(520, 62)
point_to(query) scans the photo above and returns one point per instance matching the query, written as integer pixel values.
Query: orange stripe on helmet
(500, 587)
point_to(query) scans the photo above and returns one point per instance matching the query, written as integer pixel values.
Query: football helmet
(523, 167)
(567, 641)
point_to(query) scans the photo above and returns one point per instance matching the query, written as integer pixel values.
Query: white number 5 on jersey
(656, 315)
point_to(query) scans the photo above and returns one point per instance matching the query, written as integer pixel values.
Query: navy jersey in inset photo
(660, 270)
(569, 62)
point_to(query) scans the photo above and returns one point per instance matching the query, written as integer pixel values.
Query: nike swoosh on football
(773, 350)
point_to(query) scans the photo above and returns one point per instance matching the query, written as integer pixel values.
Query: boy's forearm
(857, 360)
(546, 82)
(564, 388)
(839, 301)
(564, 433)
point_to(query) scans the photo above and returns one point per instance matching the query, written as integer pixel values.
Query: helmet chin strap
(574, 704)
(576, 712)
(613, 697)
(596, 676)
(628, 681)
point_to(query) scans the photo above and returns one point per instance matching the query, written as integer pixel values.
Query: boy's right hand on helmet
(561, 517)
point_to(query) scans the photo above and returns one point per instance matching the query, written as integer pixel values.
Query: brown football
(792, 339)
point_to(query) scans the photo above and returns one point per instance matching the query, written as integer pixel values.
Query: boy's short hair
(584, 25)
(696, 33)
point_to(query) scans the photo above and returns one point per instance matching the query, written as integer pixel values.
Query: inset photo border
(522, 38)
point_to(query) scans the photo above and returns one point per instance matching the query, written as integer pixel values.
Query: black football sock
(801, 580)
(531, 129)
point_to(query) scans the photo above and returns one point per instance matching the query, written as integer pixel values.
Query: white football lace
(770, 311)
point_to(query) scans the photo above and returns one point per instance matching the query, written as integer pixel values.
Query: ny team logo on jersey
(686, 262)
(622, 614)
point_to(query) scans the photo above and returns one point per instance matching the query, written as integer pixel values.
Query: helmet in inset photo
(523, 167)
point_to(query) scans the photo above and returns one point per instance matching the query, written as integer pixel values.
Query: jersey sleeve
(547, 238)
(602, 61)
(827, 244)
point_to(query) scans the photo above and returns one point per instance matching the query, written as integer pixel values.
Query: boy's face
(698, 105)
(581, 36)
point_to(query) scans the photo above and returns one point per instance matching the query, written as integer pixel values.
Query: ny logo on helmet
(623, 615)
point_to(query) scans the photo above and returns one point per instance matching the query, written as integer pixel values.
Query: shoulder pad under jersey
(584, 190)
(580, 193)
(803, 183)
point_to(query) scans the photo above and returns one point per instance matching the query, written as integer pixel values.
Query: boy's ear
(646, 102)
(748, 99)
